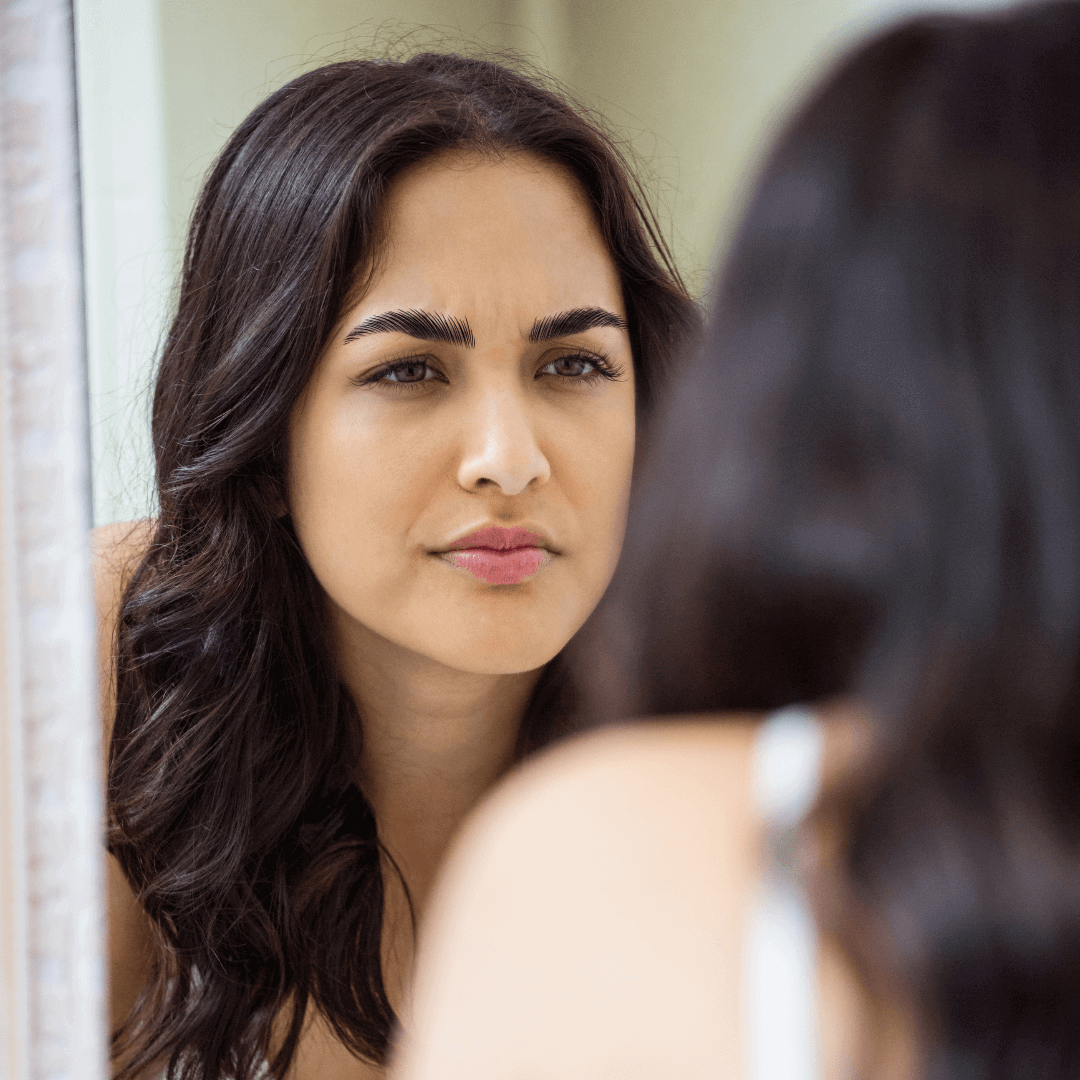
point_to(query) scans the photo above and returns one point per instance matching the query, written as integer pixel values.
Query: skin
(384, 474)
(596, 908)
(401, 445)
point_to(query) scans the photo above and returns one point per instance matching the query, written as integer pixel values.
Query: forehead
(466, 232)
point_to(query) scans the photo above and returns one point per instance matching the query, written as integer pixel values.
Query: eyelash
(603, 369)
(397, 365)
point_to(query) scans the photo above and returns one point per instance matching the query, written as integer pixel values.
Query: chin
(499, 638)
(480, 657)
(497, 662)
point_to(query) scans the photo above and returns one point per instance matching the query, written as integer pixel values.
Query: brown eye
(407, 374)
(411, 371)
(570, 367)
(579, 370)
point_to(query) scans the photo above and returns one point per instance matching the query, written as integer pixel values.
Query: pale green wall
(691, 81)
(222, 57)
(128, 240)
(697, 83)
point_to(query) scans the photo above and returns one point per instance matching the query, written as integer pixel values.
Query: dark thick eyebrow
(425, 325)
(576, 321)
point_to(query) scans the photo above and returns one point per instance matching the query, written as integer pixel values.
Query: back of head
(867, 484)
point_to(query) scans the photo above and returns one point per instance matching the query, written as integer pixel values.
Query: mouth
(499, 556)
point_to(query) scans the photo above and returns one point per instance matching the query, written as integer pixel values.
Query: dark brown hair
(231, 805)
(867, 483)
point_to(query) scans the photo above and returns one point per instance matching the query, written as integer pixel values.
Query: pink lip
(498, 556)
(498, 539)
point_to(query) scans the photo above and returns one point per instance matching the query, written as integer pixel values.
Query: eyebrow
(575, 321)
(425, 325)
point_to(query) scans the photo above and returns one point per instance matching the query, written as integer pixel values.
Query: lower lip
(498, 567)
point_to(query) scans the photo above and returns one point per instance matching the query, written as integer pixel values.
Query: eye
(580, 368)
(410, 372)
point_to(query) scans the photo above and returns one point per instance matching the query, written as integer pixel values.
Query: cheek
(619, 467)
(349, 495)
(598, 460)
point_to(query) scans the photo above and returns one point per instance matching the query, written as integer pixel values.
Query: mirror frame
(52, 1016)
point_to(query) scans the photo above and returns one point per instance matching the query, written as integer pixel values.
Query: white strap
(787, 766)
(781, 948)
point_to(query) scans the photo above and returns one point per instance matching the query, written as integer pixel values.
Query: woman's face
(460, 461)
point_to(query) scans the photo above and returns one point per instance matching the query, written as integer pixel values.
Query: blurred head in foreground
(867, 486)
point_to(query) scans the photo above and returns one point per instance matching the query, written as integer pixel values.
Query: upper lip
(497, 538)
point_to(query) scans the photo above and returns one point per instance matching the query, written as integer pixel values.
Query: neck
(434, 740)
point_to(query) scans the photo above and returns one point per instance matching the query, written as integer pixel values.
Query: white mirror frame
(52, 1020)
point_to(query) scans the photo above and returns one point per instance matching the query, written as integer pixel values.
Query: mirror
(691, 93)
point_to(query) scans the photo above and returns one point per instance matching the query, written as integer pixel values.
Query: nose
(500, 447)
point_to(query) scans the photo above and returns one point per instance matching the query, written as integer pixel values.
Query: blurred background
(692, 87)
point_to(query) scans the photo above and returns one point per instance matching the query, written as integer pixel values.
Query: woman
(422, 305)
(881, 517)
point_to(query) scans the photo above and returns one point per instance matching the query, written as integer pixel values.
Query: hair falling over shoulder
(886, 508)
(230, 800)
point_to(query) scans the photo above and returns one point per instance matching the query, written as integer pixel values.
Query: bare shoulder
(646, 817)
(638, 805)
(594, 908)
(117, 550)
(656, 774)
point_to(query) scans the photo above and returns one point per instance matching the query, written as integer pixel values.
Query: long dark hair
(867, 483)
(231, 807)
